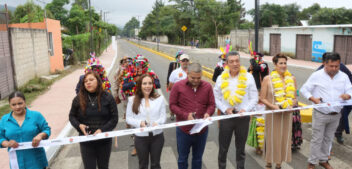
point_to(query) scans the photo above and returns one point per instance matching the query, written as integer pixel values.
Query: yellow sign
(99, 30)
(184, 28)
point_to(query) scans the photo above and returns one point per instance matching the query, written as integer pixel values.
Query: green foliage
(331, 16)
(81, 3)
(290, 15)
(307, 13)
(56, 7)
(293, 12)
(205, 19)
(29, 13)
(77, 20)
(130, 26)
(271, 14)
(247, 25)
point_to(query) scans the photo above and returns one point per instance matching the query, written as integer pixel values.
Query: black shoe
(339, 139)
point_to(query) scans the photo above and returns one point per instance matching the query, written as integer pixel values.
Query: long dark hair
(83, 92)
(139, 94)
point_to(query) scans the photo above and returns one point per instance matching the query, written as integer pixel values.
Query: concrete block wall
(30, 52)
(239, 39)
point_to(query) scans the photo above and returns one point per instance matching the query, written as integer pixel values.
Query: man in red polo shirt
(190, 99)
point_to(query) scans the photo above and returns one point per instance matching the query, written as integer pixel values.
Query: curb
(52, 151)
(306, 115)
(208, 74)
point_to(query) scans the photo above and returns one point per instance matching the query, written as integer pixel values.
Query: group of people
(236, 90)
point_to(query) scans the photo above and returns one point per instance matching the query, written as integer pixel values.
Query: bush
(81, 45)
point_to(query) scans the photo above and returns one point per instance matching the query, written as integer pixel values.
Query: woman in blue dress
(24, 125)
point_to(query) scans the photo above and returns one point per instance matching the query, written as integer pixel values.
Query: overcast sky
(120, 11)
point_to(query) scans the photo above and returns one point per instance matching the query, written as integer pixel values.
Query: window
(51, 44)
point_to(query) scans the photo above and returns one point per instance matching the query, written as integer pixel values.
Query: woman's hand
(143, 124)
(12, 144)
(154, 124)
(276, 107)
(97, 132)
(83, 129)
(36, 140)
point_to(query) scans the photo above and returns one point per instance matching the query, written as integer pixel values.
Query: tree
(130, 26)
(82, 3)
(331, 16)
(307, 13)
(214, 21)
(29, 13)
(77, 20)
(271, 14)
(293, 12)
(56, 7)
(236, 12)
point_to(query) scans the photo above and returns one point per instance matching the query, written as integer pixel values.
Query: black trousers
(96, 153)
(238, 127)
(149, 146)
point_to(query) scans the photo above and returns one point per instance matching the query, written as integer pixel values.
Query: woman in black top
(94, 111)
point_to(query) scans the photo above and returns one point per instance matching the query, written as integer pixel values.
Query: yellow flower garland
(236, 97)
(283, 96)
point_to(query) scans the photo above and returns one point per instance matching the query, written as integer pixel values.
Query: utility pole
(256, 25)
(90, 27)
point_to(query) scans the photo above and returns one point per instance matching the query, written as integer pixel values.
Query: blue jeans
(185, 142)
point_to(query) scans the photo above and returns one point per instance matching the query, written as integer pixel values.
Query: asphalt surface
(69, 157)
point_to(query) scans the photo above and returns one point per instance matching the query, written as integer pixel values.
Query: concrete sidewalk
(55, 104)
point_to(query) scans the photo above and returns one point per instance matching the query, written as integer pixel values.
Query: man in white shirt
(237, 126)
(325, 85)
(181, 72)
(178, 75)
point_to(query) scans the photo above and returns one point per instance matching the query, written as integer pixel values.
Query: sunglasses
(185, 60)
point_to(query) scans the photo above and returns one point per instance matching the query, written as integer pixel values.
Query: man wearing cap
(173, 65)
(181, 72)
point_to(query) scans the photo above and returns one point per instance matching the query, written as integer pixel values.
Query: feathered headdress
(224, 52)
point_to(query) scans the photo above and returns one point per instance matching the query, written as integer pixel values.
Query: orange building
(53, 28)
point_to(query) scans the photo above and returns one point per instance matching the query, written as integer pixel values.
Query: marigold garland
(283, 93)
(233, 97)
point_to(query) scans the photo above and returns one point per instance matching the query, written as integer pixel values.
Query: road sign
(184, 28)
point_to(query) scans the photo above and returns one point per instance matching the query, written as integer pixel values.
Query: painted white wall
(322, 36)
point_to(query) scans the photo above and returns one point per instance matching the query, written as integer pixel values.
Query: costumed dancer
(95, 66)
(259, 69)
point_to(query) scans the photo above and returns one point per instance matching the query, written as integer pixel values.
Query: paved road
(69, 157)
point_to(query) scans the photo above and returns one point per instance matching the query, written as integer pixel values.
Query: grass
(36, 87)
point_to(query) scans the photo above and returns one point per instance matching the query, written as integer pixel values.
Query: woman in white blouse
(146, 108)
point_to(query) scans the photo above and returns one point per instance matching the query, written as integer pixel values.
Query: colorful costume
(95, 65)
(129, 83)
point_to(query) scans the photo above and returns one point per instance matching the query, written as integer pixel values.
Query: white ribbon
(200, 124)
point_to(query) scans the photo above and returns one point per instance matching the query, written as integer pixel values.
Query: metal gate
(304, 47)
(343, 46)
(7, 83)
(275, 44)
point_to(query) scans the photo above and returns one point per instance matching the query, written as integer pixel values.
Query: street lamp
(256, 25)
(90, 27)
